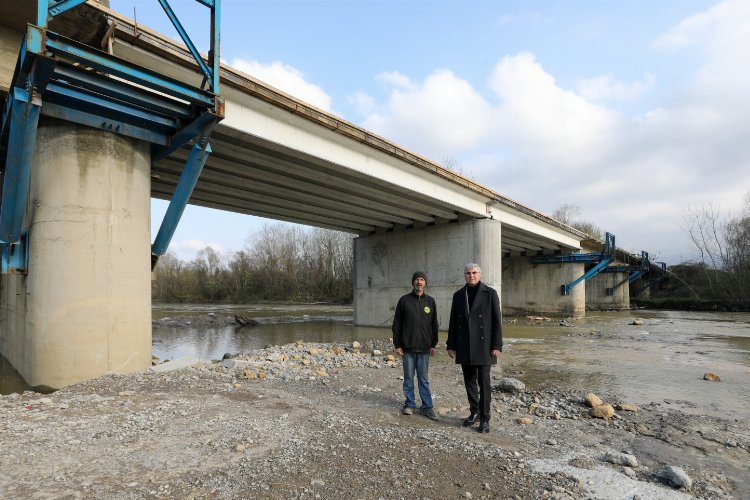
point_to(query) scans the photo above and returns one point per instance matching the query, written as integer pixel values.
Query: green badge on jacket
(426, 309)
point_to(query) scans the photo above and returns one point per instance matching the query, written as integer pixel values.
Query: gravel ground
(323, 421)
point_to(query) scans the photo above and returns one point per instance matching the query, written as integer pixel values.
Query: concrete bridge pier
(535, 288)
(384, 263)
(84, 309)
(596, 292)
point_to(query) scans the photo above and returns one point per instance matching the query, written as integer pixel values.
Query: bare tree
(571, 215)
(722, 243)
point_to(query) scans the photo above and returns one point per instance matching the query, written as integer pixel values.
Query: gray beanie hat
(418, 274)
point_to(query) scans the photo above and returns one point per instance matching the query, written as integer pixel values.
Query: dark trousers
(478, 389)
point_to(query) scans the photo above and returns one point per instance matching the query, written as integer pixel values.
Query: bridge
(102, 114)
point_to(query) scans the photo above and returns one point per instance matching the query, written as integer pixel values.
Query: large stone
(627, 407)
(592, 400)
(676, 477)
(618, 458)
(177, 364)
(602, 411)
(510, 385)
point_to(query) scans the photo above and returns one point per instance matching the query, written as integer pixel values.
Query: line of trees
(279, 262)
(721, 269)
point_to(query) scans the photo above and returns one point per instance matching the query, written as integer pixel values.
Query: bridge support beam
(535, 288)
(84, 309)
(384, 263)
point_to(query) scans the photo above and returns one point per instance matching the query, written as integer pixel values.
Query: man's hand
(451, 353)
(432, 351)
(400, 351)
(495, 353)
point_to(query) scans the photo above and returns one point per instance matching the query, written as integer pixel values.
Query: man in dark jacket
(415, 335)
(475, 340)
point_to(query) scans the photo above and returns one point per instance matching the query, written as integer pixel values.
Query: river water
(661, 360)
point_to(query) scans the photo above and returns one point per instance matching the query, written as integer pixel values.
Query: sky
(633, 110)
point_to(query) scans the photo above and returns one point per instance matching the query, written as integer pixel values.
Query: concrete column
(639, 285)
(596, 292)
(384, 263)
(84, 309)
(535, 288)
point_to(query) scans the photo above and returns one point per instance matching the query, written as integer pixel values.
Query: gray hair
(471, 265)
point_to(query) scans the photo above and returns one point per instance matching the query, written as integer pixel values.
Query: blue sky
(632, 110)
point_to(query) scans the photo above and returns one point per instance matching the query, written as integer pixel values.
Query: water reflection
(213, 343)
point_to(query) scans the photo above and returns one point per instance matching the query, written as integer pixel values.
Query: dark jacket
(415, 323)
(473, 334)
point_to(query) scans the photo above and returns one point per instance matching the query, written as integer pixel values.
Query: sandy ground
(323, 421)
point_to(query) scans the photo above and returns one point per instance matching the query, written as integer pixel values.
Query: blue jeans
(418, 362)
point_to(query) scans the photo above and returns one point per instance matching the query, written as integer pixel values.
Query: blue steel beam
(106, 63)
(207, 72)
(24, 117)
(121, 91)
(97, 121)
(15, 257)
(185, 185)
(76, 98)
(185, 135)
(57, 7)
(565, 289)
(215, 43)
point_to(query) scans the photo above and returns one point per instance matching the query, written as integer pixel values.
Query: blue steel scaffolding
(65, 79)
(599, 259)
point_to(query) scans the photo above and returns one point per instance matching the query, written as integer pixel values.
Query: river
(662, 360)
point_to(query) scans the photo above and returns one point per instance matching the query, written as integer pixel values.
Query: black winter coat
(415, 323)
(473, 334)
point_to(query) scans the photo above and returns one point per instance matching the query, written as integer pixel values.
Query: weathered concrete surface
(384, 263)
(535, 288)
(596, 292)
(84, 309)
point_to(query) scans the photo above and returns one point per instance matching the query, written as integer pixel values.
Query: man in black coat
(475, 340)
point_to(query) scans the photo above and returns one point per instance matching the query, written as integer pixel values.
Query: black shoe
(471, 420)
(484, 427)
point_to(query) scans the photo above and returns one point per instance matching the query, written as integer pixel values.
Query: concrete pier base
(535, 288)
(84, 309)
(384, 263)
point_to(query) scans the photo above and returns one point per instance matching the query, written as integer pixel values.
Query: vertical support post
(21, 139)
(215, 43)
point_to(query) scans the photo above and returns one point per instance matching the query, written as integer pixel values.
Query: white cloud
(188, 249)
(287, 79)
(395, 79)
(721, 35)
(442, 116)
(608, 87)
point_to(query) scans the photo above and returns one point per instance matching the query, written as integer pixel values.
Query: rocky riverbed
(322, 421)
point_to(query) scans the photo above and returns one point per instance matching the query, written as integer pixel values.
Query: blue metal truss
(634, 272)
(602, 259)
(65, 79)
(654, 280)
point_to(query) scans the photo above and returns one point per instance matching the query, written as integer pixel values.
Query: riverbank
(311, 420)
